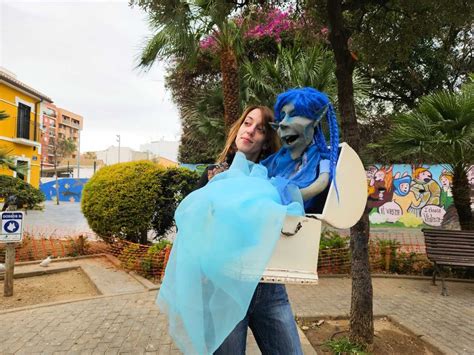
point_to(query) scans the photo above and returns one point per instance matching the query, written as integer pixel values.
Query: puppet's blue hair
(308, 103)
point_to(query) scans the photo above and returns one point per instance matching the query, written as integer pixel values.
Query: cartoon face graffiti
(445, 183)
(381, 188)
(470, 175)
(425, 189)
(424, 176)
(405, 187)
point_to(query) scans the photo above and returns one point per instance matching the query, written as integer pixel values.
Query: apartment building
(57, 124)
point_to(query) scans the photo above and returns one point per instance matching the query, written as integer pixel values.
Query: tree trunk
(57, 182)
(461, 197)
(361, 322)
(230, 86)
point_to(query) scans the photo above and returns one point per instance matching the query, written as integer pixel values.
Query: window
(23, 121)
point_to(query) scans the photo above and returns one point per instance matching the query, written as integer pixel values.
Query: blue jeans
(272, 323)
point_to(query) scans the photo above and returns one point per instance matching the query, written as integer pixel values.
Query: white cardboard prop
(295, 259)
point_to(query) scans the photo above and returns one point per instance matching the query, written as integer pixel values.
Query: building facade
(163, 149)
(114, 155)
(58, 124)
(20, 132)
(49, 129)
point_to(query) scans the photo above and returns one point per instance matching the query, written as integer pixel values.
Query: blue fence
(69, 189)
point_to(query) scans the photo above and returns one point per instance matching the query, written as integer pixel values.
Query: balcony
(25, 132)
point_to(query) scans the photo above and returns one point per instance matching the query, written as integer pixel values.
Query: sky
(83, 55)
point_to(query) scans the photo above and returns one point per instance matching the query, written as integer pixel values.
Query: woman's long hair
(271, 143)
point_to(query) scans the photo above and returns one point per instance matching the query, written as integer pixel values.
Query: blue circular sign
(11, 226)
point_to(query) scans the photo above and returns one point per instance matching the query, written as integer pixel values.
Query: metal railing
(26, 130)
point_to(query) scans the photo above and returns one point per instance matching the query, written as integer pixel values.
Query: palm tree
(3, 115)
(61, 149)
(6, 160)
(179, 28)
(292, 67)
(295, 67)
(441, 129)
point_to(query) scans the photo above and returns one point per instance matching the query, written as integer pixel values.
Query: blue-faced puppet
(305, 161)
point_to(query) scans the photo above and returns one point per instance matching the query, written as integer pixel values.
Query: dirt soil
(61, 286)
(389, 338)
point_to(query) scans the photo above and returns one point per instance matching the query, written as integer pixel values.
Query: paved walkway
(447, 322)
(131, 323)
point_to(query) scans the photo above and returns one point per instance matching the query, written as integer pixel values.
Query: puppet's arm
(316, 187)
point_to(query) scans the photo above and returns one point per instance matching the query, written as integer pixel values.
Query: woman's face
(251, 135)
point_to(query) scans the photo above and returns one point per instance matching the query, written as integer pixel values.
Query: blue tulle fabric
(227, 231)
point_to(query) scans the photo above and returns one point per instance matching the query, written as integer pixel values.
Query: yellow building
(20, 132)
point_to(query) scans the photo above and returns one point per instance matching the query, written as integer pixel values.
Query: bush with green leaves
(27, 195)
(333, 240)
(176, 184)
(129, 199)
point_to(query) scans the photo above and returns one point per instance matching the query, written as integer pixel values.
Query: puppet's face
(296, 132)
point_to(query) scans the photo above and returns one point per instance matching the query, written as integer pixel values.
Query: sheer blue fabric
(227, 231)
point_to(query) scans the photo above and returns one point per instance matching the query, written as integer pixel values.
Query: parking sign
(12, 226)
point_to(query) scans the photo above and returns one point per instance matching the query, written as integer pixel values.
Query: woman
(227, 231)
(252, 135)
(269, 315)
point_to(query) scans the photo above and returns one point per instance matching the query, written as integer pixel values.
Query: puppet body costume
(227, 231)
(290, 173)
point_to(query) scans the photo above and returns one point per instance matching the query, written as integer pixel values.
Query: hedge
(127, 200)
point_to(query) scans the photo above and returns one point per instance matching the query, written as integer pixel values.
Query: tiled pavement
(131, 323)
(446, 322)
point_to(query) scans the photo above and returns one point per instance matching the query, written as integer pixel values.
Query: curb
(396, 276)
(22, 275)
(150, 286)
(58, 303)
(67, 258)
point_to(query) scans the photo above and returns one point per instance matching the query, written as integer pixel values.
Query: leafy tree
(27, 196)
(61, 148)
(441, 129)
(375, 33)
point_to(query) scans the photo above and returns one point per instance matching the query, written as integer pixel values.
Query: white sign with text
(12, 226)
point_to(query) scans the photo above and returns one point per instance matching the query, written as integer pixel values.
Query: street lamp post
(118, 140)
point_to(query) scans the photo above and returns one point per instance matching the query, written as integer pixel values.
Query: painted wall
(69, 189)
(28, 150)
(406, 196)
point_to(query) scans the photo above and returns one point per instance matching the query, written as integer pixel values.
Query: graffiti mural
(69, 189)
(410, 196)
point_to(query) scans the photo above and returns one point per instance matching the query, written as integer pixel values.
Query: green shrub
(390, 246)
(127, 200)
(333, 240)
(27, 196)
(177, 183)
(150, 261)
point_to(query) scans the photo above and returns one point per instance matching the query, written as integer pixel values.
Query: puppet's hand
(316, 187)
